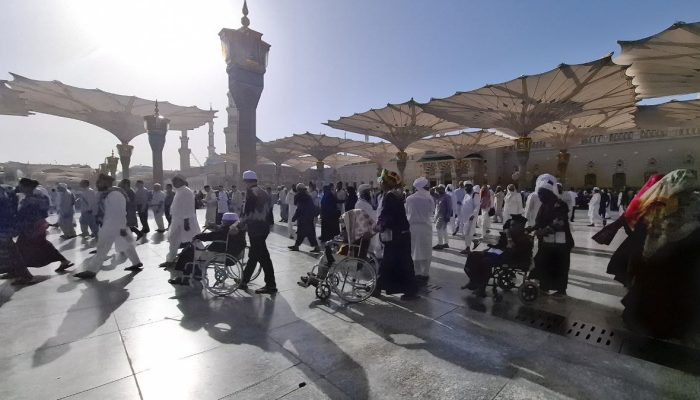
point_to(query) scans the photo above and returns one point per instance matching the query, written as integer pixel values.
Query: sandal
(64, 266)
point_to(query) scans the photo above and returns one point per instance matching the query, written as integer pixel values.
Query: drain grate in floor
(596, 335)
(539, 319)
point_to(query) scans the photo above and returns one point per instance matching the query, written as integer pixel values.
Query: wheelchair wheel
(506, 279)
(323, 291)
(219, 275)
(528, 291)
(355, 279)
(237, 271)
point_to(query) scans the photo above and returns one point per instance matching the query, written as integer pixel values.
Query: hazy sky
(329, 58)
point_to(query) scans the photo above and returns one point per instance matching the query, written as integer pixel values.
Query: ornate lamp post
(112, 162)
(156, 126)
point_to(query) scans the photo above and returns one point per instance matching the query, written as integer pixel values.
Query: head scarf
(390, 177)
(421, 183)
(633, 211)
(548, 182)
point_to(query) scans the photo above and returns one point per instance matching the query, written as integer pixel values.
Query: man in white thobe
(222, 204)
(89, 206)
(211, 203)
(113, 230)
(236, 200)
(419, 210)
(532, 207)
(459, 198)
(593, 208)
(468, 215)
(184, 219)
(158, 206)
(291, 211)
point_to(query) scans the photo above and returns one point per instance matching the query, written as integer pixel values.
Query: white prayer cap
(229, 217)
(596, 188)
(301, 186)
(449, 187)
(364, 187)
(468, 182)
(250, 176)
(547, 181)
(421, 183)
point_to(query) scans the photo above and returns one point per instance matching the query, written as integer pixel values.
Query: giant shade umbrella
(521, 105)
(382, 153)
(399, 124)
(273, 152)
(463, 144)
(121, 115)
(319, 146)
(673, 114)
(664, 64)
(567, 133)
(11, 103)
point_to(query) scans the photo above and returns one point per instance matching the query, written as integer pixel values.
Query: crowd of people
(404, 219)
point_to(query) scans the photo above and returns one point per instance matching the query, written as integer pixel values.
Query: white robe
(211, 203)
(113, 232)
(532, 207)
(419, 210)
(512, 204)
(158, 207)
(182, 209)
(222, 202)
(593, 208)
(375, 246)
(468, 215)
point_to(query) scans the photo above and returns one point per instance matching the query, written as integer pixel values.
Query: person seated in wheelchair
(356, 234)
(514, 248)
(229, 231)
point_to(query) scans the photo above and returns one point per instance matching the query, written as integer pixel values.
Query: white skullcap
(301, 186)
(229, 217)
(250, 176)
(421, 183)
(547, 181)
(449, 187)
(468, 183)
(364, 187)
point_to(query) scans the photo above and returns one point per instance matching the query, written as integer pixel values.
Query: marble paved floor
(126, 336)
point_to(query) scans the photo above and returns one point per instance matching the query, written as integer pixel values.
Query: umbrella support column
(319, 169)
(401, 161)
(522, 153)
(562, 164)
(125, 150)
(157, 142)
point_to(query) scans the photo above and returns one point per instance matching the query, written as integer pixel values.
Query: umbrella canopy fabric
(664, 64)
(567, 133)
(339, 160)
(520, 106)
(464, 143)
(674, 114)
(11, 103)
(301, 164)
(399, 124)
(382, 153)
(118, 114)
(275, 152)
(319, 146)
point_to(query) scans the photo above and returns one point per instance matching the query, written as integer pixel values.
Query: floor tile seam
(95, 387)
(128, 358)
(88, 307)
(501, 389)
(259, 382)
(184, 357)
(57, 345)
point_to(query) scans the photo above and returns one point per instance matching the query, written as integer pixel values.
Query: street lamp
(156, 126)
(112, 162)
